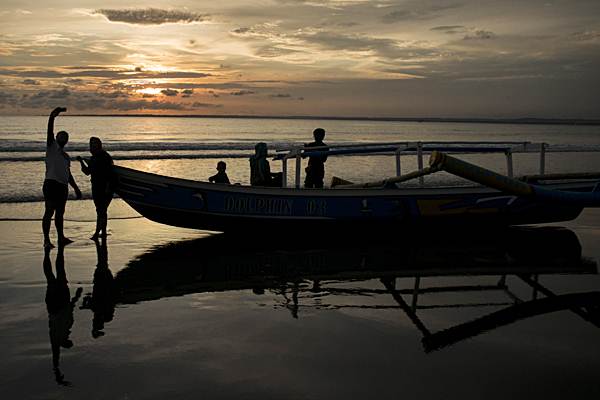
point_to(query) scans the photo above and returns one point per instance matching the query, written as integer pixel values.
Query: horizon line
(509, 120)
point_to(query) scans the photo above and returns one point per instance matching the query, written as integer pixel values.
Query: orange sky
(293, 57)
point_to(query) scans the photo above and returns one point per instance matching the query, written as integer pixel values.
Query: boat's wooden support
(509, 163)
(392, 180)
(284, 172)
(555, 177)
(506, 184)
(420, 162)
(298, 169)
(542, 158)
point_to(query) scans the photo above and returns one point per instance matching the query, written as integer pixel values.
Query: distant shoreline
(517, 121)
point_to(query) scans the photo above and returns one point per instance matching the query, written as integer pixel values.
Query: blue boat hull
(236, 208)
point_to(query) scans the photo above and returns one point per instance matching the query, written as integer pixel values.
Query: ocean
(162, 312)
(191, 147)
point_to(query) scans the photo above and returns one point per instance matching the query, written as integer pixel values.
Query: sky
(346, 58)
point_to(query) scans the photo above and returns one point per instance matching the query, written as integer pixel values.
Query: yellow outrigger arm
(474, 173)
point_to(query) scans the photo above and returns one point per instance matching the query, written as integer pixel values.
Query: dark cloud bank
(151, 16)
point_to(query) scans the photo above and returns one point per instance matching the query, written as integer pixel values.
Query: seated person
(221, 175)
(260, 170)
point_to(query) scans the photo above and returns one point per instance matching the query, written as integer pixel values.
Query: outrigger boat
(380, 206)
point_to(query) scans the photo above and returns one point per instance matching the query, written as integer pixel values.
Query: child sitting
(221, 176)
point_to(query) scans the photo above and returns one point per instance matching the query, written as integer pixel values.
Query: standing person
(100, 168)
(58, 177)
(315, 171)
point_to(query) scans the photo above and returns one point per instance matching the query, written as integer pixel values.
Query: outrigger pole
(442, 161)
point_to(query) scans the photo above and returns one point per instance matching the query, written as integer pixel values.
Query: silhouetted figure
(102, 300)
(221, 175)
(60, 309)
(100, 167)
(58, 177)
(260, 170)
(315, 171)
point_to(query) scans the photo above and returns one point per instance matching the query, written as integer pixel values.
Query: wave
(35, 198)
(186, 156)
(158, 147)
(20, 146)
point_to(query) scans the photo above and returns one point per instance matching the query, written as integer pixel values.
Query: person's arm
(50, 133)
(75, 187)
(84, 167)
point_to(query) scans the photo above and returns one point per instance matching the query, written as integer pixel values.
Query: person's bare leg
(46, 222)
(98, 225)
(103, 224)
(58, 222)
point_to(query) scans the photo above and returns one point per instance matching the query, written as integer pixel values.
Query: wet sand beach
(168, 312)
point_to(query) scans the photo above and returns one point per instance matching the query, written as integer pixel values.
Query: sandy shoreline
(232, 343)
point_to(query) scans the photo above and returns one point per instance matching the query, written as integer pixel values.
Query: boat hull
(236, 208)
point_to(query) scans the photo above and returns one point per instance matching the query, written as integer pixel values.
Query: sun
(152, 91)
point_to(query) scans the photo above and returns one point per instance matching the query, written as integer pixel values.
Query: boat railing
(415, 148)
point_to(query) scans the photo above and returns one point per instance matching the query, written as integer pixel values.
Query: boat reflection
(314, 277)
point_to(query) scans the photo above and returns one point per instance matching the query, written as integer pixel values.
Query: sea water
(191, 147)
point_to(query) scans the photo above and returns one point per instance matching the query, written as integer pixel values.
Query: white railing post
(542, 158)
(420, 161)
(284, 172)
(509, 163)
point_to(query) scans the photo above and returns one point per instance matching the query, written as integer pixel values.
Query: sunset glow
(333, 58)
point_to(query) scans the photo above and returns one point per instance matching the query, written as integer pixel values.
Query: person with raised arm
(56, 182)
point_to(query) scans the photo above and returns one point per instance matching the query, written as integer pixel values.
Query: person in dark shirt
(100, 167)
(260, 170)
(315, 171)
(221, 175)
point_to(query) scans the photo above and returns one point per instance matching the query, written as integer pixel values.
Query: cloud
(112, 95)
(274, 51)
(30, 82)
(417, 13)
(449, 29)
(187, 92)
(169, 92)
(151, 16)
(102, 72)
(480, 35)
(198, 104)
(242, 93)
(382, 47)
(280, 95)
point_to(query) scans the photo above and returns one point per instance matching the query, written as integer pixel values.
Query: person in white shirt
(58, 177)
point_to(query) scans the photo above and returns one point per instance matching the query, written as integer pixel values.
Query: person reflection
(102, 299)
(60, 309)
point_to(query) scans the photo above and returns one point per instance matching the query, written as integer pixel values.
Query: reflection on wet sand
(102, 299)
(60, 309)
(313, 277)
